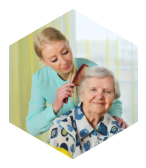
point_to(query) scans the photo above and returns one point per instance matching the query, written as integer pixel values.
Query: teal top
(44, 88)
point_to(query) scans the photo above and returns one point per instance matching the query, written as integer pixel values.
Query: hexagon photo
(73, 84)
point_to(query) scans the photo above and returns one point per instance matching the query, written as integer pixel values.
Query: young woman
(52, 82)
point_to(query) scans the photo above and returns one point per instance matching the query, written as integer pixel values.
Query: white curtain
(106, 48)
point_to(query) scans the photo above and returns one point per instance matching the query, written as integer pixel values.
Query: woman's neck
(92, 118)
(64, 76)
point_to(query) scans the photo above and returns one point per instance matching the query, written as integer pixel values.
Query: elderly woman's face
(98, 95)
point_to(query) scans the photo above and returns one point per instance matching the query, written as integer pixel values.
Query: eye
(54, 60)
(65, 52)
(93, 90)
(107, 91)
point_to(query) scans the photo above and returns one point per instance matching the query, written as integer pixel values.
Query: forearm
(38, 122)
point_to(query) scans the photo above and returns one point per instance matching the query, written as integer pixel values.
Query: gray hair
(100, 72)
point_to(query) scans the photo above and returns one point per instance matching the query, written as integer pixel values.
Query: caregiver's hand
(63, 92)
(121, 122)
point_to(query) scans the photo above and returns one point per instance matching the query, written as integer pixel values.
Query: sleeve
(81, 61)
(39, 116)
(60, 138)
(116, 109)
(91, 63)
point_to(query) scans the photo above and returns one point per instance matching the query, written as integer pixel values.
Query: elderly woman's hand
(120, 121)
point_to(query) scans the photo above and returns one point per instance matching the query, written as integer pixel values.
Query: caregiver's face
(58, 56)
(98, 95)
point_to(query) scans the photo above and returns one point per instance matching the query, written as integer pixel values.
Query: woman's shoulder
(81, 61)
(65, 119)
(42, 74)
(113, 124)
(109, 117)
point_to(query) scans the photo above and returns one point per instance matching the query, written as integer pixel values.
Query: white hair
(100, 72)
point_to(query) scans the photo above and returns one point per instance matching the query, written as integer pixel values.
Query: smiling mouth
(98, 103)
(66, 67)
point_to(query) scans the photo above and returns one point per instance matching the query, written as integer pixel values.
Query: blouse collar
(84, 128)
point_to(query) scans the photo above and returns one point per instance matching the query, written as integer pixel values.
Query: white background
(4, 87)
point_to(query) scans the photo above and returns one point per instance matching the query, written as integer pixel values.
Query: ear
(42, 61)
(81, 95)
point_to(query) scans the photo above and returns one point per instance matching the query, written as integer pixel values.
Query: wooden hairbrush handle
(65, 100)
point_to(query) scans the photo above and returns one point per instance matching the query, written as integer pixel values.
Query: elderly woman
(88, 124)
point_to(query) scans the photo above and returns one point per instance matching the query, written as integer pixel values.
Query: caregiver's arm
(116, 109)
(39, 116)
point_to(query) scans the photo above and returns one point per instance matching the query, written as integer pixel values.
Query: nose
(63, 61)
(99, 94)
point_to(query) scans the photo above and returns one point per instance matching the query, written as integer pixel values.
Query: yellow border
(16, 122)
(62, 150)
(31, 53)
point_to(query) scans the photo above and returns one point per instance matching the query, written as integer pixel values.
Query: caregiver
(51, 83)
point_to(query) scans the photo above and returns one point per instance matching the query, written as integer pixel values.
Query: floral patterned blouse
(73, 132)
